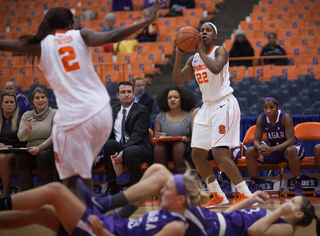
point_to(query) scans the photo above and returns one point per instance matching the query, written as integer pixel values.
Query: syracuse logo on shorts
(222, 129)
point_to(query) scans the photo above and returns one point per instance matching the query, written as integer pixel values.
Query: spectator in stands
(23, 102)
(277, 125)
(177, 104)
(122, 5)
(36, 129)
(149, 33)
(273, 49)
(9, 122)
(110, 20)
(129, 142)
(241, 48)
(140, 96)
(77, 23)
(180, 5)
(316, 153)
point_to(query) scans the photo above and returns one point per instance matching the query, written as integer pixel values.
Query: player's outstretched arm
(20, 46)
(257, 197)
(94, 39)
(179, 76)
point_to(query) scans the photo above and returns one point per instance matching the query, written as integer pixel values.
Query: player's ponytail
(309, 214)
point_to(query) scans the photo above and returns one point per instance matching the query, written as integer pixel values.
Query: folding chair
(241, 162)
(237, 73)
(305, 131)
(290, 72)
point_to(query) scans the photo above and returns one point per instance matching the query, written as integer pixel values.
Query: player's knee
(292, 152)
(252, 153)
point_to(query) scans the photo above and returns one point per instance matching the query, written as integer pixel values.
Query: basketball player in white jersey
(217, 124)
(84, 118)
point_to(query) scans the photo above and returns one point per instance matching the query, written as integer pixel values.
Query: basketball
(187, 39)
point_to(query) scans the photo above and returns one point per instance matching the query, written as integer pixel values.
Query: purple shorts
(280, 156)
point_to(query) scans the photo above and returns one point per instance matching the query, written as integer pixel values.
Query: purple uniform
(276, 135)
(147, 225)
(202, 221)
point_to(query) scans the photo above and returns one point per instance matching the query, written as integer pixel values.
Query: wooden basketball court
(35, 230)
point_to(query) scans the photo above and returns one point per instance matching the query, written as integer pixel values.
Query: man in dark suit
(140, 95)
(129, 142)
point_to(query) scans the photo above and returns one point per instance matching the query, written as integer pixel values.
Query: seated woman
(36, 129)
(241, 48)
(277, 125)
(54, 204)
(273, 49)
(175, 120)
(179, 195)
(9, 123)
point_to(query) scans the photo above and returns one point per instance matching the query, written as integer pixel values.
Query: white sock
(214, 187)
(243, 188)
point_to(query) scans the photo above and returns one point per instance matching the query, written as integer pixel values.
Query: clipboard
(167, 139)
(18, 150)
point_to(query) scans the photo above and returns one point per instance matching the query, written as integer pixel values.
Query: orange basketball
(187, 39)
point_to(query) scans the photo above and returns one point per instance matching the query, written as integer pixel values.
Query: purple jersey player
(278, 127)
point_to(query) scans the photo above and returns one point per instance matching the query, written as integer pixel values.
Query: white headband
(214, 27)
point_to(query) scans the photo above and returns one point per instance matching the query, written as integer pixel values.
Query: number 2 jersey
(67, 64)
(202, 221)
(213, 87)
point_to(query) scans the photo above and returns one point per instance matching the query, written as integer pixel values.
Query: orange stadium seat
(131, 75)
(131, 15)
(165, 47)
(86, 24)
(284, 8)
(18, 80)
(143, 47)
(296, 51)
(291, 2)
(288, 33)
(249, 33)
(313, 23)
(174, 28)
(206, 5)
(279, 16)
(28, 20)
(192, 21)
(35, 80)
(127, 57)
(22, 28)
(285, 42)
(260, 16)
(228, 44)
(33, 12)
(263, 8)
(21, 6)
(156, 57)
(123, 22)
(300, 15)
(262, 72)
(310, 32)
(290, 72)
(146, 67)
(90, 3)
(111, 77)
(257, 44)
(98, 50)
(5, 54)
(9, 21)
(314, 49)
(8, 6)
(113, 67)
(9, 62)
(270, 2)
(272, 25)
(237, 73)
(43, 6)
(97, 69)
(10, 14)
(195, 12)
(22, 71)
(167, 21)
(102, 58)
(263, 33)
(303, 41)
(37, 71)
(253, 25)
(315, 60)
(315, 14)
(309, 70)
(6, 35)
(167, 37)
(294, 24)
(5, 72)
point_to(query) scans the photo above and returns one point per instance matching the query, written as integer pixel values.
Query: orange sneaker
(241, 198)
(216, 201)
